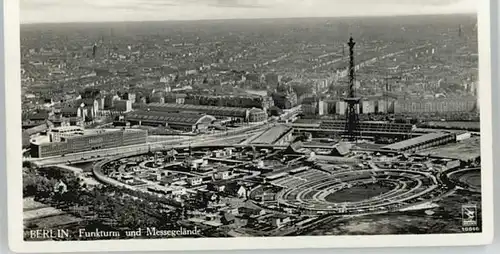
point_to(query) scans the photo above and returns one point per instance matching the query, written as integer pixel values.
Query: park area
(38, 215)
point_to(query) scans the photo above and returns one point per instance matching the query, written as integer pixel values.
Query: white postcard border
(14, 176)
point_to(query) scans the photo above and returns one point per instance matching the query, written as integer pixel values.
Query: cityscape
(251, 128)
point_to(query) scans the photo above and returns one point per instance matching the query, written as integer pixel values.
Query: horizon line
(250, 18)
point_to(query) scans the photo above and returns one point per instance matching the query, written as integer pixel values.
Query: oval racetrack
(362, 190)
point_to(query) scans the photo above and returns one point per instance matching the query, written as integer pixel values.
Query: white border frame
(14, 176)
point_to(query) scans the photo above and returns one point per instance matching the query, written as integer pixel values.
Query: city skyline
(220, 119)
(49, 11)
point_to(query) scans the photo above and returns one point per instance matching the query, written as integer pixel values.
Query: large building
(238, 114)
(465, 104)
(385, 106)
(73, 112)
(404, 106)
(73, 139)
(92, 100)
(310, 106)
(256, 115)
(422, 142)
(123, 106)
(338, 107)
(240, 101)
(178, 98)
(314, 106)
(368, 107)
(59, 121)
(177, 121)
(109, 101)
(277, 135)
(368, 127)
(284, 97)
(309, 109)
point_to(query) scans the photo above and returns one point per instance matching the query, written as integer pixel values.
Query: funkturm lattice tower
(352, 101)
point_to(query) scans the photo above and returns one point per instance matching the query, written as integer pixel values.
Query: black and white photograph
(143, 120)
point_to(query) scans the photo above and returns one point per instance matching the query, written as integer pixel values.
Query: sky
(54, 11)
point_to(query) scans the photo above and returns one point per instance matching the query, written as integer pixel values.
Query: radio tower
(352, 101)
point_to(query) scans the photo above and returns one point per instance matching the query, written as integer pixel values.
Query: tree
(37, 186)
(26, 164)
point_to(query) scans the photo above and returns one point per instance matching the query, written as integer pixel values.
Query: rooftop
(271, 135)
(415, 141)
(71, 132)
(194, 107)
(167, 117)
(210, 110)
(67, 129)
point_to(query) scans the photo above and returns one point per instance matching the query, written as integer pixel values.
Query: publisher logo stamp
(469, 215)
